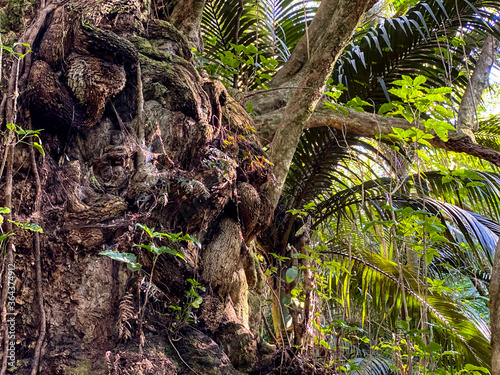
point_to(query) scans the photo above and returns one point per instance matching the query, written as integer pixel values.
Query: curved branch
(371, 126)
(345, 15)
(329, 13)
(467, 119)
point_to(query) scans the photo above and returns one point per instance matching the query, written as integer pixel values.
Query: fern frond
(126, 314)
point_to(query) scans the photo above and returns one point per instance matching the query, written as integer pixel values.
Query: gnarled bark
(173, 156)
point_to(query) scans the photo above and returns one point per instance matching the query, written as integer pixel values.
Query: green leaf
(188, 238)
(167, 250)
(249, 107)
(291, 274)
(134, 267)
(147, 247)
(39, 147)
(324, 344)
(470, 367)
(419, 80)
(197, 302)
(28, 226)
(388, 223)
(146, 229)
(386, 107)
(5, 235)
(8, 49)
(357, 104)
(128, 258)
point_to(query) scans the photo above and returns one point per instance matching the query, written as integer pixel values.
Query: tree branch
(328, 14)
(476, 85)
(38, 267)
(186, 16)
(372, 126)
(339, 19)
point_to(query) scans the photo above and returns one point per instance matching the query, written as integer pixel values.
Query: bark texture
(187, 18)
(133, 134)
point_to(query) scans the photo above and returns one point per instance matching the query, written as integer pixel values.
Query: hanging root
(17, 82)
(38, 268)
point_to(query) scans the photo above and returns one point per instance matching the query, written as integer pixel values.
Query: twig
(269, 329)
(179, 354)
(1, 63)
(10, 110)
(10, 254)
(9, 161)
(2, 108)
(43, 318)
(13, 90)
(140, 114)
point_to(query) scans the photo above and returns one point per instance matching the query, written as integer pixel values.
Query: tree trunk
(133, 134)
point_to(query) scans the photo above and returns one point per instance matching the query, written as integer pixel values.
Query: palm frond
(437, 39)
(453, 325)
(318, 163)
(471, 238)
(477, 191)
(489, 132)
(272, 26)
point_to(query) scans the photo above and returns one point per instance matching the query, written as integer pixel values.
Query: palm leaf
(489, 132)
(272, 26)
(421, 42)
(318, 162)
(472, 237)
(454, 326)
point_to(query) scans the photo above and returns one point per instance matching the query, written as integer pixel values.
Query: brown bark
(495, 313)
(132, 134)
(17, 81)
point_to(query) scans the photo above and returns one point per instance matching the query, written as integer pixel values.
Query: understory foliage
(380, 253)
